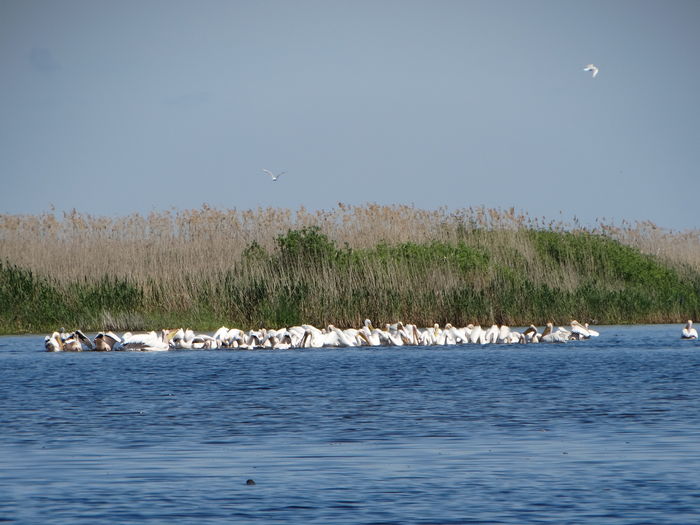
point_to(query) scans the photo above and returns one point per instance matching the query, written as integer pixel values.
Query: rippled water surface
(602, 431)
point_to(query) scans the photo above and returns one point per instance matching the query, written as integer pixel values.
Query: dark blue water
(602, 431)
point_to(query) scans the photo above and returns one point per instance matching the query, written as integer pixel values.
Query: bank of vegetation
(270, 267)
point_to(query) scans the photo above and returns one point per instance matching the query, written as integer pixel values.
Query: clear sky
(112, 107)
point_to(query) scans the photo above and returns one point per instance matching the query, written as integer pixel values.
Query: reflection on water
(605, 431)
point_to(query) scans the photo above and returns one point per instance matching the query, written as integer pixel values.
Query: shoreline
(93, 332)
(258, 268)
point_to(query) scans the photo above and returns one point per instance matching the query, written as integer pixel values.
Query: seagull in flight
(274, 177)
(591, 67)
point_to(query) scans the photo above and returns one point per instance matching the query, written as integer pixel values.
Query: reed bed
(275, 267)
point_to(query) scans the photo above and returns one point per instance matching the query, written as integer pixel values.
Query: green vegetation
(514, 276)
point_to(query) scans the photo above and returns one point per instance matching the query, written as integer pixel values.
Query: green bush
(515, 277)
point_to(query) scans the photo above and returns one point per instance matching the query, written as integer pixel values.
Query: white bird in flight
(274, 177)
(591, 67)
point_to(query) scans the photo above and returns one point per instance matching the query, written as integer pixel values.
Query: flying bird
(274, 177)
(591, 67)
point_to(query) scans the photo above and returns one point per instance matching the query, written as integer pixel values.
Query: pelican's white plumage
(455, 336)
(477, 335)
(53, 342)
(75, 341)
(491, 335)
(593, 68)
(593, 333)
(308, 336)
(503, 335)
(531, 335)
(313, 337)
(221, 336)
(182, 339)
(550, 336)
(337, 337)
(149, 342)
(688, 331)
(105, 341)
(579, 331)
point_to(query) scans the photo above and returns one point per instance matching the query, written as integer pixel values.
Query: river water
(601, 431)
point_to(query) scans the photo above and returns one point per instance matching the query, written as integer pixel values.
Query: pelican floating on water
(105, 341)
(151, 341)
(531, 335)
(72, 342)
(308, 336)
(688, 331)
(504, 335)
(550, 336)
(578, 331)
(593, 333)
(477, 335)
(491, 335)
(53, 343)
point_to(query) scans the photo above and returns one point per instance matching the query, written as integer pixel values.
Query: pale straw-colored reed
(178, 257)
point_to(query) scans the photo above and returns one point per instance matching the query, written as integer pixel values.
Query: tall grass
(277, 267)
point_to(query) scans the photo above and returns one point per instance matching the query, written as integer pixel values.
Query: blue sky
(114, 107)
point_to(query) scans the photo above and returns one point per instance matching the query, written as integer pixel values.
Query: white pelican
(392, 335)
(205, 341)
(367, 335)
(491, 335)
(253, 339)
(689, 332)
(105, 341)
(406, 333)
(284, 340)
(222, 338)
(454, 336)
(531, 335)
(425, 336)
(564, 332)
(590, 330)
(275, 177)
(477, 335)
(297, 334)
(150, 341)
(591, 67)
(278, 339)
(182, 339)
(467, 332)
(579, 331)
(340, 337)
(75, 341)
(235, 337)
(53, 342)
(439, 335)
(370, 334)
(411, 334)
(549, 336)
(547, 330)
(354, 334)
(516, 337)
(504, 335)
(313, 337)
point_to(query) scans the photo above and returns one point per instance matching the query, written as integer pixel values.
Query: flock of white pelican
(308, 336)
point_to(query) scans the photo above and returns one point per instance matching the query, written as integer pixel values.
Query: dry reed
(183, 260)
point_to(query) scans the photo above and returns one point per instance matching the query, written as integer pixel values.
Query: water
(602, 431)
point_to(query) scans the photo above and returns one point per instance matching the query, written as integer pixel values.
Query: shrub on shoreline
(206, 268)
